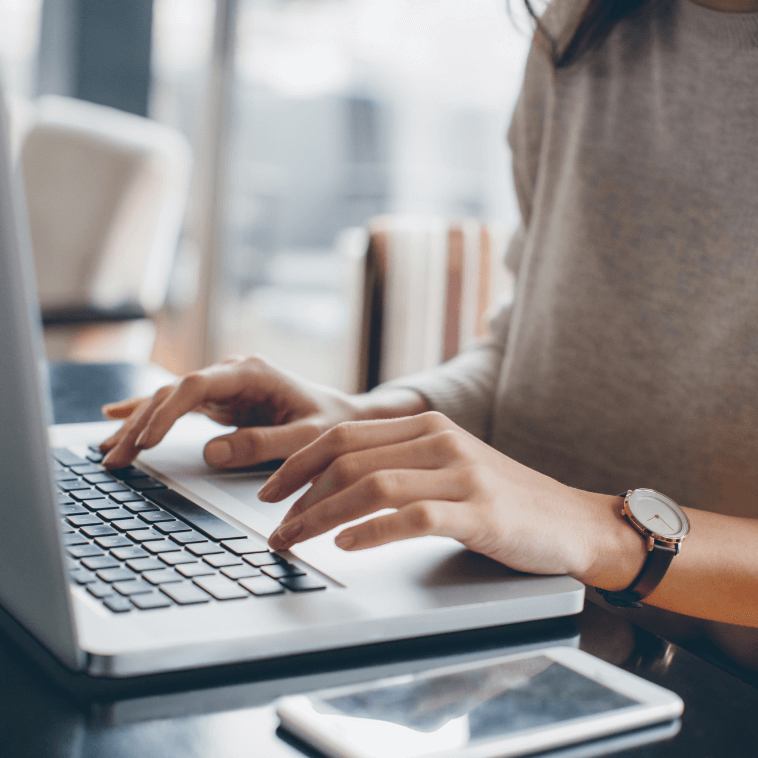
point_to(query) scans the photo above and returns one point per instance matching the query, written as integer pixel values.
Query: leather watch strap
(656, 565)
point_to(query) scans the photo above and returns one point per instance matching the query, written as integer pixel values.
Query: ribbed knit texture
(630, 356)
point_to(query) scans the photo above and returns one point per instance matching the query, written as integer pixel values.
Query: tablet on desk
(504, 707)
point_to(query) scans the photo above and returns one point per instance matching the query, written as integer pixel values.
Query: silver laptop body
(409, 589)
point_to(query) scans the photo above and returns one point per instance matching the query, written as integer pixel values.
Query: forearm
(715, 575)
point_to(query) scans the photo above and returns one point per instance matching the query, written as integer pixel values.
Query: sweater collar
(736, 31)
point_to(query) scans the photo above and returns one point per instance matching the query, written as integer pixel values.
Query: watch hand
(658, 517)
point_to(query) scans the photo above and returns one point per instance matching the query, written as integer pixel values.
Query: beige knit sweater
(630, 355)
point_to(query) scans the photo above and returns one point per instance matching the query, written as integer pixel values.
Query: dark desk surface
(236, 718)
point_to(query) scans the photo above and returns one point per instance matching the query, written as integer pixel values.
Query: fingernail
(269, 491)
(344, 541)
(140, 441)
(218, 453)
(285, 536)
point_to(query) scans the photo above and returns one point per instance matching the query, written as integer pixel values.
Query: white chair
(106, 194)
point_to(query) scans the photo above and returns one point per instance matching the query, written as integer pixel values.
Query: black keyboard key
(192, 513)
(151, 600)
(156, 516)
(246, 545)
(132, 587)
(162, 576)
(86, 469)
(87, 519)
(114, 514)
(145, 564)
(116, 540)
(95, 457)
(72, 510)
(108, 487)
(63, 475)
(100, 562)
(185, 538)
(99, 590)
(302, 583)
(141, 507)
(262, 559)
(84, 495)
(128, 472)
(175, 558)
(83, 551)
(195, 569)
(221, 588)
(82, 576)
(99, 530)
(69, 485)
(66, 457)
(161, 546)
(119, 574)
(185, 593)
(240, 572)
(144, 535)
(74, 539)
(128, 525)
(204, 548)
(262, 585)
(67, 528)
(99, 478)
(129, 553)
(220, 560)
(125, 497)
(281, 570)
(117, 604)
(101, 504)
(61, 498)
(144, 484)
(171, 527)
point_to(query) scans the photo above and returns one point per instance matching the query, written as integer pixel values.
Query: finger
(353, 467)
(249, 446)
(125, 449)
(123, 408)
(420, 519)
(114, 439)
(382, 489)
(345, 438)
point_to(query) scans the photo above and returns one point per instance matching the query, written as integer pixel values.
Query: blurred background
(214, 193)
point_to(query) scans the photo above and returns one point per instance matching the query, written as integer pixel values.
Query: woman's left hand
(443, 481)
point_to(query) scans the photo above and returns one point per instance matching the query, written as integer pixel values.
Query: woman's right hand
(277, 413)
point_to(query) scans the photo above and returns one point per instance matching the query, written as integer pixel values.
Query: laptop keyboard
(135, 544)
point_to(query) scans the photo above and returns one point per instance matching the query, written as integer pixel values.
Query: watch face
(658, 515)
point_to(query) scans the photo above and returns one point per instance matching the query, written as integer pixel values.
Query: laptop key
(195, 569)
(161, 546)
(220, 560)
(66, 457)
(99, 590)
(132, 587)
(280, 570)
(204, 548)
(82, 576)
(262, 559)
(145, 564)
(155, 516)
(61, 498)
(115, 540)
(151, 600)
(143, 535)
(95, 457)
(88, 519)
(184, 538)
(242, 571)
(221, 588)
(99, 530)
(302, 583)
(117, 604)
(127, 525)
(98, 562)
(128, 472)
(125, 497)
(99, 478)
(175, 558)
(84, 551)
(162, 576)
(90, 494)
(206, 522)
(74, 539)
(185, 593)
(169, 527)
(129, 553)
(72, 510)
(109, 487)
(69, 485)
(87, 469)
(262, 585)
(143, 484)
(119, 574)
(246, 545)
(141, 507)
(67, 528)
(101, 504)
(115, 513)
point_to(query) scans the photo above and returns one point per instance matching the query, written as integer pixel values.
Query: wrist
(390, 402)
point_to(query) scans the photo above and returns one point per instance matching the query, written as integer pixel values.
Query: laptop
(164, 567)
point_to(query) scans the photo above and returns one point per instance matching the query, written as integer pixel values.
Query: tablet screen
(485, 703)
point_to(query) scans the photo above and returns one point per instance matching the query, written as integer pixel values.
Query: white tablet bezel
(656, 705)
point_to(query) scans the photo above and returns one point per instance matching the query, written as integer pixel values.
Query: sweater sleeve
(464, 387)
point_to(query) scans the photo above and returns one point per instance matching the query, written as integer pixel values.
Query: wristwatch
(664, 525)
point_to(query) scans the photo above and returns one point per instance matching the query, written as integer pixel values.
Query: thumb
(252, 445)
